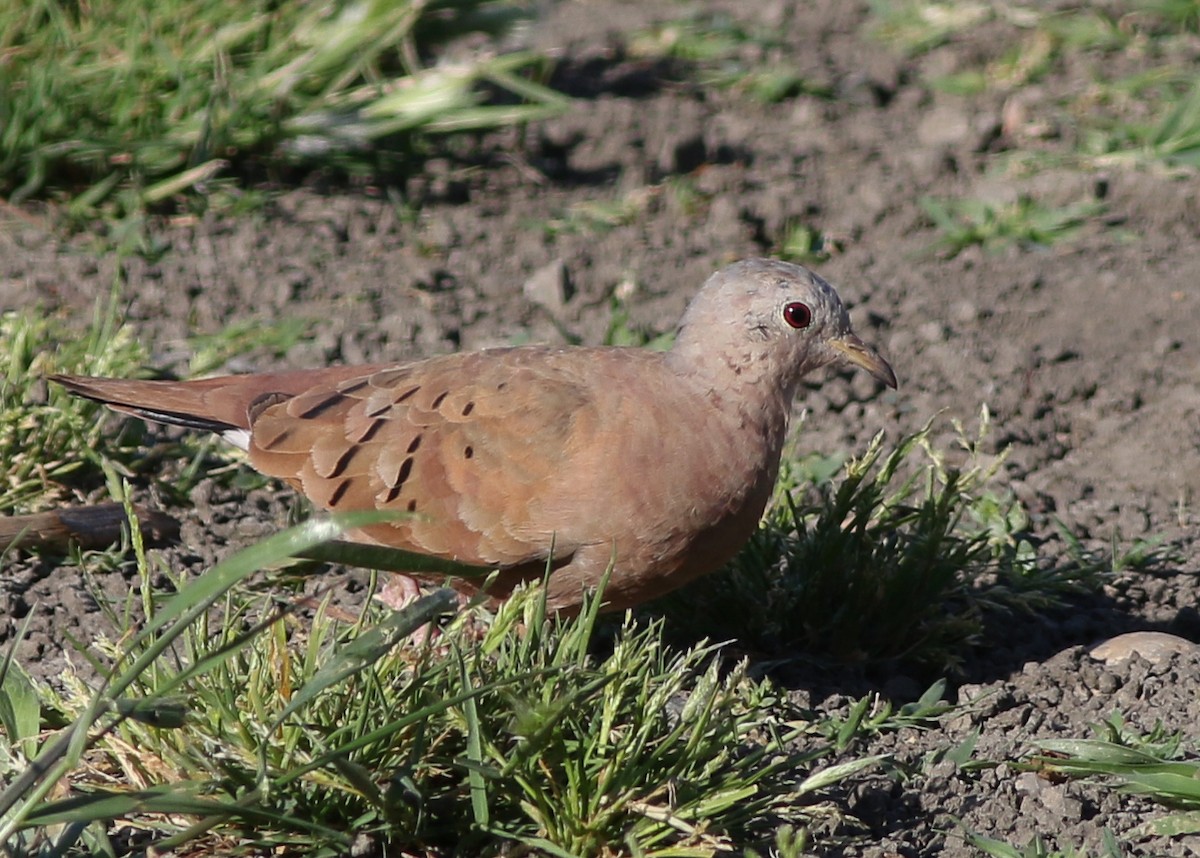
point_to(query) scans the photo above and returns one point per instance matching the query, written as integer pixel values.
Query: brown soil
(1085, 353)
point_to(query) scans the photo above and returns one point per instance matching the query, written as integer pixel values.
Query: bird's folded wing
(468, 447)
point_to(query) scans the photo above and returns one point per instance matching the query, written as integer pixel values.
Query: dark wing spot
(321, 406)
(395, 487)
(370, 433)
(387, 406)
(279, 438)
(354, 386)
(469, 452)
(405, 469)
(336, 497)
(414, 444)
(468, 408)
(339, 467)
(441, 397)
(412, 505)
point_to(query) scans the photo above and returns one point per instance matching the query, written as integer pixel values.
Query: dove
(543, 461)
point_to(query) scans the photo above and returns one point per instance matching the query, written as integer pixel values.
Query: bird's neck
(746, 370)
(745, 386)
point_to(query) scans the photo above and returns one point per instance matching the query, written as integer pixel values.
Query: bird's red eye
(797, 315)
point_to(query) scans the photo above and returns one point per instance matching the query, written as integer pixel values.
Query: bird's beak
(860, 354)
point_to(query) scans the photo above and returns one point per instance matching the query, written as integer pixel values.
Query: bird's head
(769, 319)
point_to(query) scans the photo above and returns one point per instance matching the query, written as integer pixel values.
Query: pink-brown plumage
(659, 462)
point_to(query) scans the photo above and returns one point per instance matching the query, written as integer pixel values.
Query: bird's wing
(466, 447)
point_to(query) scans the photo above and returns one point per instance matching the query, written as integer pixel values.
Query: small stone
(1089, 676)
(944, 126)
(1155, 647)
(1055, 799)
(1028, 783)
(1052, 695)
(550, 287)
(942, 770)
(963, 312)
(932, 332)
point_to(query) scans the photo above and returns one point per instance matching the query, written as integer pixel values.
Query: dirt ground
(1085, 353)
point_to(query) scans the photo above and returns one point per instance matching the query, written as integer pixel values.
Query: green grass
(513, 728)
(593, 217)
(44, 439)
(211, 352)
(118, 106)
(1090, 30)
(804, 244)
(1170, 140)
(262, 723)
(1149, 120)
(895, 557)
(1181, 16)
(677, 194)
(917, 26)
(1037, 847)
(722, 53)
(914, 27)
(1158, 764)
(51, 442)
(1025, 223)
(235, 721)
(508, 729)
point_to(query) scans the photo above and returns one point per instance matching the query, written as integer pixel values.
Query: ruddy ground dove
(660, 463)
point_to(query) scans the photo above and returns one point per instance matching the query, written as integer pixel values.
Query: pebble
(932, 332)
(944, 126)
(1155, 647)
(549, 286)
(964, 312)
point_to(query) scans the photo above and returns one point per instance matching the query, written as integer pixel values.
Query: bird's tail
(226, 404)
